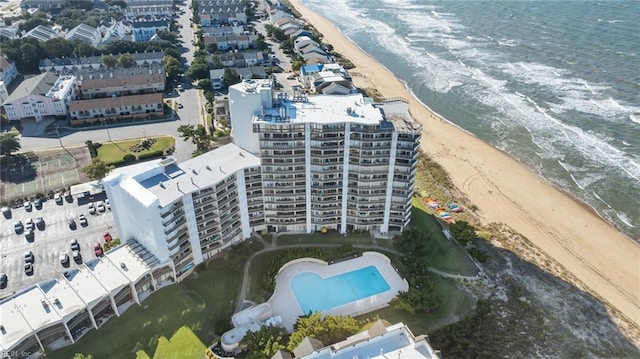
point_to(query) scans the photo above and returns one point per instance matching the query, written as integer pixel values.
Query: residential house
(120, 81)
(8, 70)
(238, 59)
(41, 4)
(231, 42)
(316, 58)
(85, 33)
(116, 30)
(224, 30)
(330, 83)
(10, 32)
(307, 72)
(217, 78)
(4, 94)
(144, 30)
(304, 41)
(221, 110)
(72, 64)
(155, 8)
(295, 33)
(117, 108)
(222, 14)
(41, 33)
(42, 95)
(276, 15)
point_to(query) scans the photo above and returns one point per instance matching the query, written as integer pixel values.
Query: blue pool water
(317, 294)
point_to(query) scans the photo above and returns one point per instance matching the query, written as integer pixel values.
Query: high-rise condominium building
(190, 211)
(297, 164)
(339, 162)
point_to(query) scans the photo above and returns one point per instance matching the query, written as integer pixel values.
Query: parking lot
(49, 241)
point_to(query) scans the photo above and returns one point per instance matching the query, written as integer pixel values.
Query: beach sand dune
(507, 192)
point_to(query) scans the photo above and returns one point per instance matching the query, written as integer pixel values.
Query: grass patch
(444, 254)
(197, 303)
(113, 152)
(456, 304)
(184, 344)
(328, 238)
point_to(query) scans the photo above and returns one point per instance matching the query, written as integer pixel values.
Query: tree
(30, 55)
(126, 61)
(82, 49)
(231, 77)
(463, 231)
(198, 69)
(330, 329)
(82, 356)
(109, 61)
(265, 342)
(420, 296)
(172, 68)
(167, 35)
(173, 52)
(204, 84)
(198, 136)
(57, 47)
(8, 144)
(297, 64)
(97, 169)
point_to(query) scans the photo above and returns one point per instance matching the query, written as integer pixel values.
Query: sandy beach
(507, 192)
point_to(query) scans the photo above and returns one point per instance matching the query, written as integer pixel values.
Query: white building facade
(191, 211)
(338, 162)
(43, 95)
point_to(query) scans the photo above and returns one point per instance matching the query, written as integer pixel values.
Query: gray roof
(36, 85)
(216, 74)
(307, 346)
(74, 61)
(281, 354)
(154, 23)
(42, 33)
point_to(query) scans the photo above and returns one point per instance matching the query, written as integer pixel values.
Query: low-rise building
(10, 32)
(41, 33)
(8, 70)
(230, 42)
(73, 64)
(42, 95)
(224, 30)
(155, 8)
(4, 94)
(145, 30)
(41, 4)
(116, 108)
(85, 33)
(119, 81)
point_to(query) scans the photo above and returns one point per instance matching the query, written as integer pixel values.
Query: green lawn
(333, 237)
(197, 303)
(112, 152)
(183, 344)
(455, 304)
(444, 254)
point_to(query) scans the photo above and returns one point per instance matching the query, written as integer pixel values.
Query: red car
(107, 237)
(97, 249)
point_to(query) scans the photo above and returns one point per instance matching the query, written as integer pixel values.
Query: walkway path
(273, 246)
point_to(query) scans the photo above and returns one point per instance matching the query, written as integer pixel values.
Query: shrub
(150, 154)
(129, 157)
(92, 148)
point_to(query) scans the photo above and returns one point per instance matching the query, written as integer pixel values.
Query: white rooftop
(134, 268)
(15, 327)
(107, 274)
(324, 109)
(86, 285)
(63, 298)
(174, 180)
(397, 342)
(61, 87)
(35, 308)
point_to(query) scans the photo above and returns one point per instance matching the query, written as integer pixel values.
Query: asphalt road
(48, 243)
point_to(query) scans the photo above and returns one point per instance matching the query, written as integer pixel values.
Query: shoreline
(505, 191)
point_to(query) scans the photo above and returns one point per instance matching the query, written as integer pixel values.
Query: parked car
(180, 105)
(28, 268)
(37, 203)
(83, 220)
(58, 198)
(75, 246)
(28, 257)
(3, 280)
(29, 235)
(64, 259)
(180, 88)
(107, 204)
(107, 237)
(28, 224)
(72, 223)
(77, 257)
(18, 227)
(100, 207)
(6, 212)
(97, 249)
(27, 206)
(92, 208)
(40, 223)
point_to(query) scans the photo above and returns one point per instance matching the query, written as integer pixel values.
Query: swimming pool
(315, 293)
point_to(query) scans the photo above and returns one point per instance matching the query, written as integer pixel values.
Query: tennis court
(42, 172)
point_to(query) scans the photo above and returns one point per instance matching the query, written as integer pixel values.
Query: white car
(107, 204)
(58, 198)
(83, 220)
(100, 207)
(92, 208)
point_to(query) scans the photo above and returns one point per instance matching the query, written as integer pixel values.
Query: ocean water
(556, 84)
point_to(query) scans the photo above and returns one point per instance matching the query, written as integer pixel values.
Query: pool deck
(284, 303)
